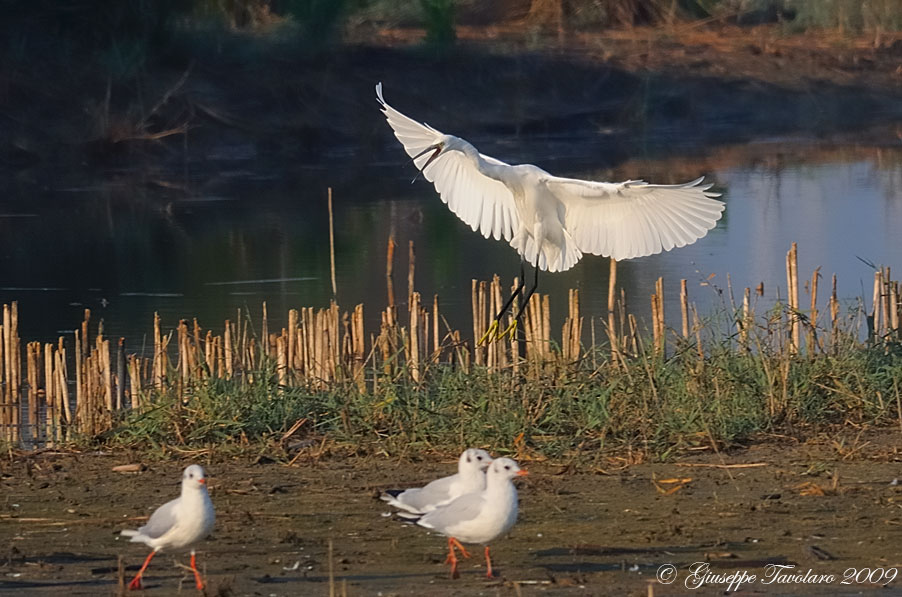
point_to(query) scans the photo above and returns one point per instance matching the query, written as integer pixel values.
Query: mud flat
(828, 506)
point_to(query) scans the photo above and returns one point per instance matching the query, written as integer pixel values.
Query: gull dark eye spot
(507, 467)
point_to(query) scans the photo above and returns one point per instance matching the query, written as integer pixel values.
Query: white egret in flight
(551, 221)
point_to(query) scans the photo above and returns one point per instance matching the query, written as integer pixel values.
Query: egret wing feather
(634, 219)
(483, 203)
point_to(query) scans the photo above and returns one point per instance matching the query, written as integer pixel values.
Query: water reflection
(125, 251)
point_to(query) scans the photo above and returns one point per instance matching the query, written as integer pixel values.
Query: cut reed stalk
(389, 265)
(292, 361)
(282, 358)
(332, 246)
(134, 387)
(746, 321)
(811, 339)
(436, 341)
(792, 284)
(86, 346)
(886, 318)
(411, 268)
(6, 419)
(613, 336)
(877, 302)
(834, 317)
(63, 385)
(50, 399)
(894, 308)
(264, 332)
(158, 355)
(546, 326)
(655, 315)
(7, 353)
(228, 353)
(120, 371)
(413, 359)
(684, 308)
(32, 350)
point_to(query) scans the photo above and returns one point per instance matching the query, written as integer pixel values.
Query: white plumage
(470, 477)
(178, 524)
(553, 221)
(481, 516)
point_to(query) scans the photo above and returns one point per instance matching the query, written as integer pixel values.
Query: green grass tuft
(648, 403)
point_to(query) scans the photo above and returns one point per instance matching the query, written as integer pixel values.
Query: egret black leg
(535, 284)
(521, 283)
(492, 332)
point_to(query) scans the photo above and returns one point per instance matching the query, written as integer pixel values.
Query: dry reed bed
(328, 349)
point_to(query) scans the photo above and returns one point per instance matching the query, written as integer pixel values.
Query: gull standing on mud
(179, 523)
(470, 477)
(478, 517)
(551, 221)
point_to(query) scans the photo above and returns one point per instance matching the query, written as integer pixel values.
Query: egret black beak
(436, 149)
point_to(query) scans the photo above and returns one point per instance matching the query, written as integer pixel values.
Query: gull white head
(505, 468)
(474, 459)
(194, 478)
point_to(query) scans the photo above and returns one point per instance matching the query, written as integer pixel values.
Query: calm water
(240, 238)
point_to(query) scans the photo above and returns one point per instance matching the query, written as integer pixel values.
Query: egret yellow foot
(511, 329)
(490, 334)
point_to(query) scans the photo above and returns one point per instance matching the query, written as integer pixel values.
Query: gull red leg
(452, 558)
(136, 582)
(488, 563)
(198, 581)
(457, 544)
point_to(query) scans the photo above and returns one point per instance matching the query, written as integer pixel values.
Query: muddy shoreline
(828, 505)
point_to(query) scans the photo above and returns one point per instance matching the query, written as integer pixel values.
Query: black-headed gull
(478, 517)
(178, 524)
(469, 478)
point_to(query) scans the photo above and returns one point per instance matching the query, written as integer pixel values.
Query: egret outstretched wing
(483, 203)
(634, 219)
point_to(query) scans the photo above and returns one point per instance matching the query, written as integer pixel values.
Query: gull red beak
(522, 473)
(202, 481)
(437, 149)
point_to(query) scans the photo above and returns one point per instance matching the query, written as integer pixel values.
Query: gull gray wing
(161, 521)
(431, 495)
(466, 507)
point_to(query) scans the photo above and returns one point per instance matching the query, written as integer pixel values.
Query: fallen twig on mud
(706, 465)
(55, 522)
(129, 468)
